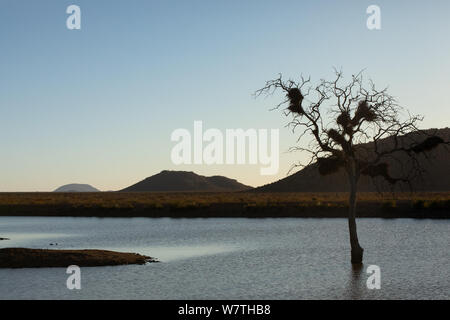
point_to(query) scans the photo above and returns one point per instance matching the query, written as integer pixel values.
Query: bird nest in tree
(337, 137)
(343, 119)
(379, 170)
(363, 111)
(427, 145)
(329, 165)
(295, 100)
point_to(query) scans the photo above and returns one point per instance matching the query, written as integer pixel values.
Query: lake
(234, 258)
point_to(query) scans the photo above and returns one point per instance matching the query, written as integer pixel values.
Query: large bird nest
(295, 100)
(379, 170)
(329, 165)
(363, 111)
(427, 145)
(337, 137)
(345, 122)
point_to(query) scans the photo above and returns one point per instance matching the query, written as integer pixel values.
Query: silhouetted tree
(346, 122)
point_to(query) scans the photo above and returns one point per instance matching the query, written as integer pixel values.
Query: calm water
(235, 258)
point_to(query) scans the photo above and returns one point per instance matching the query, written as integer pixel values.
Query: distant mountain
(185, 181)
(435, 178)
(75, 187)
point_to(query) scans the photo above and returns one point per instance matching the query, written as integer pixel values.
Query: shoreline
(365, 210)
(225, 205)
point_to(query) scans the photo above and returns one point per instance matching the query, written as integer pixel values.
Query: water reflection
(172, 253)
(32, 240)
(356, 282)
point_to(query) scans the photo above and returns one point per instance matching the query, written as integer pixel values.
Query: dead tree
(345, 123)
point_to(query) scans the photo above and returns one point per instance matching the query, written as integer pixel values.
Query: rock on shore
(45, 258)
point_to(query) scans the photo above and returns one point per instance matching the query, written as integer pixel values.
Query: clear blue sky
(98, 105)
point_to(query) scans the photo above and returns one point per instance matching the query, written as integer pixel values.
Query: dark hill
(435, 178)
(169, 181)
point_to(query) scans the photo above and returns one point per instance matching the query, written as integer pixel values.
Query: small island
(4, 238)
(46, 258)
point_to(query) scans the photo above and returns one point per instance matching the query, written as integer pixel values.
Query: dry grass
(156, 200)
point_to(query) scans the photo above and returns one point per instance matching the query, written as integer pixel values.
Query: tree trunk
(356, 250)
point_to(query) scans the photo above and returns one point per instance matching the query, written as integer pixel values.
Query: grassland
(239, 204)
